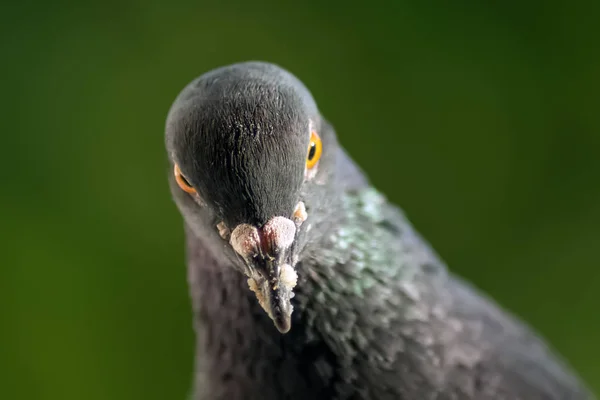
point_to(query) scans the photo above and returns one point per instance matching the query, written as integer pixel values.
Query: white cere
(280, 232)
(245, 240)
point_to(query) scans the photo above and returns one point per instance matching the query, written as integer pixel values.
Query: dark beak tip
(274, 295)
(283, 323)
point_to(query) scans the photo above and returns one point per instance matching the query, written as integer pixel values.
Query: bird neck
(367, 248)
(370, 269)
(240, 355)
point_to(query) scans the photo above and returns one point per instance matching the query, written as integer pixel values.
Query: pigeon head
(250, 172)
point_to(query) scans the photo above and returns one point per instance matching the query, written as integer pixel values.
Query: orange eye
(182, 182)
(314, 150)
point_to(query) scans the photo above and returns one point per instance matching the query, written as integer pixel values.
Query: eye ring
(182, 182)
(315, 148)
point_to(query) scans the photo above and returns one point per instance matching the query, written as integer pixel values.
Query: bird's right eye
(182, 182)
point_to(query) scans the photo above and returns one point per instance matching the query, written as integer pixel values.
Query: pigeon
(307, 283)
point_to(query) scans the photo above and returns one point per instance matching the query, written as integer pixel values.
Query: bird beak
(266, 252)
(274, 292)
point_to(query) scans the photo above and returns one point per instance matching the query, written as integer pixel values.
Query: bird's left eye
(182, 182)
(314, 150)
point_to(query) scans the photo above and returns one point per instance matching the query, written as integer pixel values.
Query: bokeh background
(479, 118)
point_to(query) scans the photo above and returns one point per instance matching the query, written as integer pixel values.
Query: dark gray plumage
(375, 314)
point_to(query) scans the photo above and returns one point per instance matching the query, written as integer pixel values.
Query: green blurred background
(480, 119)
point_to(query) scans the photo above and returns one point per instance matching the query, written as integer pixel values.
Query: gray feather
(377, 315)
